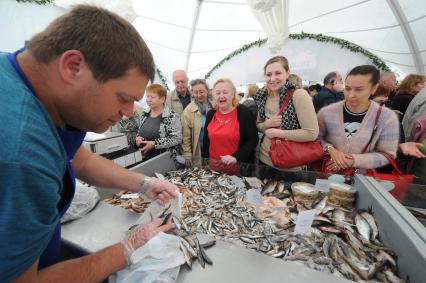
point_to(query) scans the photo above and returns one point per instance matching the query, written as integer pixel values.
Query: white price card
(304, 221)
(253, 182)
(322, 185)
(237, 181)
(254, 197)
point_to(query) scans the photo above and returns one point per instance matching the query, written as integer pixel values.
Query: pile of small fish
(341, 241)
(129, 201)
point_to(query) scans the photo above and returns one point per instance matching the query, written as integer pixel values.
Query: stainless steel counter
(398, 229)
(106, 224)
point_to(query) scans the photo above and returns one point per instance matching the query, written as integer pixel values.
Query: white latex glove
(140, 235)
(161, 190)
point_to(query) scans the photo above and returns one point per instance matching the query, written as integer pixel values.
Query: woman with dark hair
(298, 121)
(193, 121)
(349, 126)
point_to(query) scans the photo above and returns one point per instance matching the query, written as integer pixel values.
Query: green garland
(344, 44)
(318, 37)
(39, 2)
(162, 78)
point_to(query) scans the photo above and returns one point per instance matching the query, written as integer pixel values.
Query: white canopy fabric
(196, 34)
(309, 59)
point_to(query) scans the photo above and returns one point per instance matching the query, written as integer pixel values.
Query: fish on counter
(342, 240)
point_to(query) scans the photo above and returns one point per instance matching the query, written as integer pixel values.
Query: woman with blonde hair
(230, 134)
(298, 121)
(408, 88)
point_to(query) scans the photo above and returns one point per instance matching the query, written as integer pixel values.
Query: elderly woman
(349, 131)
(230, 134)
(160, 127)
(298, 121)
(193, 120)
(409, 87)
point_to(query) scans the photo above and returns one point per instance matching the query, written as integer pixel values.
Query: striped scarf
(289, 120)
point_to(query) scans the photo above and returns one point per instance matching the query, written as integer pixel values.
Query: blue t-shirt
(32, 165)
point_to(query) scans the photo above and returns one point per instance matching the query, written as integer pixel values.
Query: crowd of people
(357, 119)
(85, 72)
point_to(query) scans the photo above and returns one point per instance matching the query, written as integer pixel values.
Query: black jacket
(401, 101)
(326, 97)
(248, 135)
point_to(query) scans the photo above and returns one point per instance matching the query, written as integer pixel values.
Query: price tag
(254, 197)
(254, 182)
(304, 221)
(322, 185)
(237, 181)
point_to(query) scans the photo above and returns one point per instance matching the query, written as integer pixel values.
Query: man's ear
(71, 63)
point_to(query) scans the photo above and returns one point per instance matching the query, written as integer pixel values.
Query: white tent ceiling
(195, 35)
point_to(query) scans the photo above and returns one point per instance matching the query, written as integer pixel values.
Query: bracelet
(327, 148)
(145, 184)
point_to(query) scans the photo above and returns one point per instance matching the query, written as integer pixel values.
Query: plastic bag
(157, 261)
(155, 209)
(85, 199)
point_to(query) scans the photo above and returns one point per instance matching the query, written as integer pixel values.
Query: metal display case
(398, 230)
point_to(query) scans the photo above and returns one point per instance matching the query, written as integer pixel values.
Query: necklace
(223, 121)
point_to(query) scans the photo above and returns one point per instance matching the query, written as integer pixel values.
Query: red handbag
(288, 154)
(400, 180)
(320, 167)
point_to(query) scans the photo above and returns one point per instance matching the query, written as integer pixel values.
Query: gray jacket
(416, 108)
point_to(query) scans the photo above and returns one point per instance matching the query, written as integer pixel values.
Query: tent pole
(408, 34)
(193, 29)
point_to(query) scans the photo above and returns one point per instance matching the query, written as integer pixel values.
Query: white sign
(254, 182)
(237, 181)
(322, 185)
(304, 221)
(254, 197)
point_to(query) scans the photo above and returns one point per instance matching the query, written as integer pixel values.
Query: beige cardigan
(191, 127)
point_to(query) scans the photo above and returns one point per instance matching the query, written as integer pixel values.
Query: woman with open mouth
(230, 133)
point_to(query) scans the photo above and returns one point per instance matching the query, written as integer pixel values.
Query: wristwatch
(145, 184)
(327, 148)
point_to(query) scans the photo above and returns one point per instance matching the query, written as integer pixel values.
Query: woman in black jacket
(230, 134)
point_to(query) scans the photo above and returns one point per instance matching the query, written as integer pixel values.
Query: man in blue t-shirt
(82, 73)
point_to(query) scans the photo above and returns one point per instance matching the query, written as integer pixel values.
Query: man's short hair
(330, 78)
(252, 89)
(366, 70)
(296, 80)
(111, 45)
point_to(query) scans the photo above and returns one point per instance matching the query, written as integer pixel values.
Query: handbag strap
(379, 111)
(391, 160)
(286, 100)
